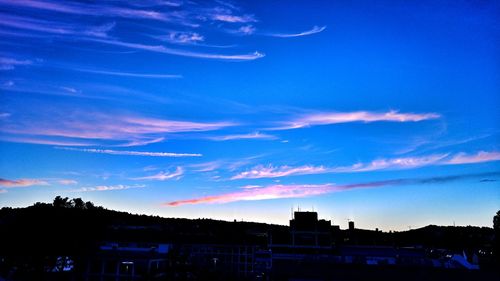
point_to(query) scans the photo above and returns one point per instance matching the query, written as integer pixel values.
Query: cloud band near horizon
(376, 165)
(307, 190)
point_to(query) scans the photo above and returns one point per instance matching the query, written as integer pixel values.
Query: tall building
(351, 225)
(307, 230)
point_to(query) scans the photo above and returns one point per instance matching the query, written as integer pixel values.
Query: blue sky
(382, 112)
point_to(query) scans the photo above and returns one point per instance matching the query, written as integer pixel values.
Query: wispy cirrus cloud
(183, 38)
(255, 135)
(108, 188)
(129, 74)
(55, 28)
(95, 10)
(264, 193)
(81, 128)
(479, 157)
(180, 52)
(11, 63)
(21, 182)
(282, 171)
(247, 29)
(43, 141)
(191, 15)
(131, 153)
(328, 118)
(400, 163)
(67, 182)
(308, 190)
(314, 30)
(234, 19)
(161, 176)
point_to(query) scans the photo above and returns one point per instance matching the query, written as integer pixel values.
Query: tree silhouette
(89, 205)
(78, 203)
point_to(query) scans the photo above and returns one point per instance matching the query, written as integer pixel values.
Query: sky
(382, 112)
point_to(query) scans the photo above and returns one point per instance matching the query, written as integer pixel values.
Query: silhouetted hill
(72, 226)
(49, 229)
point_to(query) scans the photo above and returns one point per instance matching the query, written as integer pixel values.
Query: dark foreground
(73, 240)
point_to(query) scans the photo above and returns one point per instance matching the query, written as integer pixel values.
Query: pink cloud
(328, 118)
(122, 130)
(67, 182)
(269, 192)
(21, 182)
(481, 156)
(306, 190)
(161, 176)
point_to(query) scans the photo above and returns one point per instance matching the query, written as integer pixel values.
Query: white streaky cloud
(250, 186)
(69, 89)
(88, 10)
(394, 163)
(129, 74)
(99, 128)
(234, 18)
(479, 157)
(247, 30)
(11, 63)
(44, 141)
(131, 153)
(50, 27)
(182, 38)
(314, 30)
(3, 191)
(179, 52)
(207, 166)
(275, 172)
(376, 165)
(329, 118)
(161, 176)
(108, 188)
(100, 31)
(141, 142)
(255, 135)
